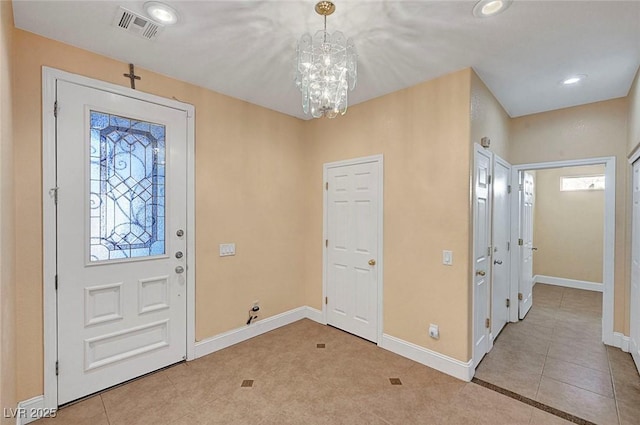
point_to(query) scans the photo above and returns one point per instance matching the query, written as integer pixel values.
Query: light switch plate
(447, 258)
(227, 249)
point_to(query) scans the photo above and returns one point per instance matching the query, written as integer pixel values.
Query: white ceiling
(246, 49)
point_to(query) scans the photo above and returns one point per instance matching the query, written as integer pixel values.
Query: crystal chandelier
(326, 69)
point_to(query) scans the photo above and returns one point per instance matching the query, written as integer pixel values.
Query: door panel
(352, 230)
(635, 269)
(481, 252)
(121, 173)
(501, 235)
(527, 199)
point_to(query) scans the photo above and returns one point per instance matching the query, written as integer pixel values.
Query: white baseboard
(235, 336)
(315, 315)
(28, 410)
(445, 364)
(621, 341)
(569, 283)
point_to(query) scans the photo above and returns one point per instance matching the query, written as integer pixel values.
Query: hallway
(555, 357)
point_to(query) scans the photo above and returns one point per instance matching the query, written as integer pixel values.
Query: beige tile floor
(347, 382)
(555, 356)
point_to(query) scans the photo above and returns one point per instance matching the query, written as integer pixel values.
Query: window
(575, 183)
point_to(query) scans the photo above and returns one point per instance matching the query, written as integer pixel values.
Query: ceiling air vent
(136, 24)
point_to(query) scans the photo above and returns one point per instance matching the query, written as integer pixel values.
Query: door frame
(478, 149)
(49, 235)
(608, 240)
(379, 159)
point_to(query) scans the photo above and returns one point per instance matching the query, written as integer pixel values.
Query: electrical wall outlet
(447, 258)
(227, 249)
(434, 332)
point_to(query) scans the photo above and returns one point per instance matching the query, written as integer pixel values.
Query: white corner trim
(621, 341)
(569, 283)
(315, 315)
(235, 336)
(29, 410)
(435, 360)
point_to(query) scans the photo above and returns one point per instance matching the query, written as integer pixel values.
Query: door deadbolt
(179, 269)
(372, 262)
(179, 254)
(180, 233)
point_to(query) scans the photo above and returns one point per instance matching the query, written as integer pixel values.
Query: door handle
(534, 248)
(498, 262)
(179, 269)
(480, 273)
(372, 262)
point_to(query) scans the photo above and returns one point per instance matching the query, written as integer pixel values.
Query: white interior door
(527, 199)
(481, 252)
(501, 230)
(635, 269)
(352, 248)
(121, 247)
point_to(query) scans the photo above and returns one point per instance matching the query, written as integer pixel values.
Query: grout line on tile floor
(533, 403)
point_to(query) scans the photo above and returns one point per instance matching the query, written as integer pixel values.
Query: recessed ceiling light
(161, 13)
(574, 79)
(486, 8)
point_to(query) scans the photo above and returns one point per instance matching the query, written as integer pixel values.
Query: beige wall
(423, 133)
(568, 229)
(488, 118)
(7, 277)
(249, 185)
(588, 131)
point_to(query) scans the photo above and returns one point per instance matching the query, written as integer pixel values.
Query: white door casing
(634, 325)
(353, 219)
(119, 319)
(501, 236)
(608, 261)
(481, 262)
(527, 199)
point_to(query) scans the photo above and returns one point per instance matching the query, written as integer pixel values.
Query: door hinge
(508, 303)
(487, 322)
(326, 243)
(489, 178)
(508, 245)
(520, 297)
(326, 300)
(53, 192)
(55, 109)
(326, 186)
(509, 188)
(489, 251)
(56, 281)
(57, 368)
(520, 242)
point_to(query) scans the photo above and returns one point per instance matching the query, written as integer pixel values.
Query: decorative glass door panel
(126, 199)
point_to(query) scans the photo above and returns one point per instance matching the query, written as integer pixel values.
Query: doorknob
(498, 262)
(179, 269)
(372, 262)
(179, 254)
(480, 273)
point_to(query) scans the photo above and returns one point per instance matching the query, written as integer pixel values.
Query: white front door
(527, 198)
(501, 228)
(121, 242)
(352, 248)
(481, 252)
(635, 269)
